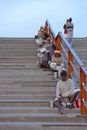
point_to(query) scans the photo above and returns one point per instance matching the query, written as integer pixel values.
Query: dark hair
(70, 19)
(63, 74)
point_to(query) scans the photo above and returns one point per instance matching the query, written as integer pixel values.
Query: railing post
(70, 59)
(83, 91)
(58, 42)
(47, 28)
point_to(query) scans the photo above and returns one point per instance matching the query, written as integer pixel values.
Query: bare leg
(58, 104)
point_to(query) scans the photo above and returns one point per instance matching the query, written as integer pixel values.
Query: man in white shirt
(69, 27)
(68, 30)
(65, 92)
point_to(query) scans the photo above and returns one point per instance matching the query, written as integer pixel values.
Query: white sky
(23, 18)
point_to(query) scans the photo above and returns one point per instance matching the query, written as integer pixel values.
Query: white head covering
(42, 49)
(39, 41)
(56, 51)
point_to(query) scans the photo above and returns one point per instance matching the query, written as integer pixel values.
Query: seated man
(43, 58)
(65, 92)
(42, 35)
(57, 62)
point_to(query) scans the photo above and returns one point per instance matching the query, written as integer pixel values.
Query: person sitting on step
(43, 58)
(65, 92)
(57, 62)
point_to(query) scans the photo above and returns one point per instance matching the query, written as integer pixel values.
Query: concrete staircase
(80, 46)
(26, 91)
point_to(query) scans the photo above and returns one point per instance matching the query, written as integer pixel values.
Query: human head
(57, 53)
(63, 74)
(43, 42)
(70, 19)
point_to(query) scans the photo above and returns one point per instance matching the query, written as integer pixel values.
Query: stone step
(25, 103)
(32, 83)
(42, 126)
(18, 60)
(26, 77)
(16, 54)
(35, 96)
(23, 80)
(35, 110)
(38, 85)
(42, 117)
(28, 91)
(37, 72)
(79, 46)
(17, 41)
(18, 66)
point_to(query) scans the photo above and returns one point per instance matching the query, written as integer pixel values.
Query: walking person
(65, 29)
(69, 26)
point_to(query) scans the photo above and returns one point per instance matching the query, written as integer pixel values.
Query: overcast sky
(23, 18)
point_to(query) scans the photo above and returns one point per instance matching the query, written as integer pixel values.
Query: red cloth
(65, 31)
(77, 102)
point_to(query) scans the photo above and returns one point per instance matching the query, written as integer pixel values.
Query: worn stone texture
(26, 90)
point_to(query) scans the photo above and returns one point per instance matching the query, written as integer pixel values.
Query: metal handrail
(72, 56)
